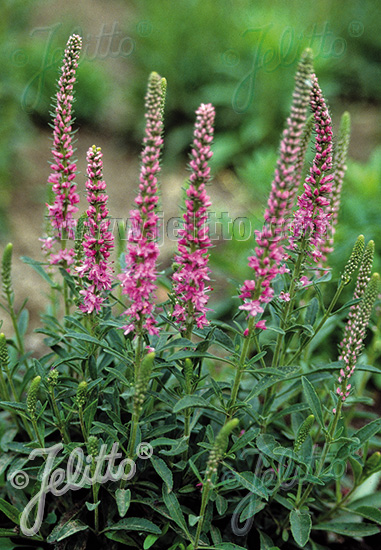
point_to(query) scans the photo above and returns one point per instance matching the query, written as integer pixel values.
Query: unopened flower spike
(6, 270)
(64, 166)
(340, 157)
(143, 379)
(191, 278)
(31, 399)
(354, 259)
(219, 448)
(355, 333)
(98, 240)
(81, 394)
(269, 254)
(303, 432)
(139, 278)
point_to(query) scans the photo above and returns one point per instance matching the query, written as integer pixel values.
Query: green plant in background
(120, 436)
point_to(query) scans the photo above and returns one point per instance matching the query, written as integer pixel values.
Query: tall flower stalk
(190, 280)
(269, 254)
(139, 278)
(312, 218)
(98, 240)
(358, 318)
(64, 167)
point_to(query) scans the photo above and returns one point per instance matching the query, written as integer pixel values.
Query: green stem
(60, 425)
(327, 445)
(289, 305)
(204, 503)
(82, 423)
(240, 369)
(34, 423)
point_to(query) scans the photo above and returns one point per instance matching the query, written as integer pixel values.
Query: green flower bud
(303, 432)
(142, 381)
(31, 399)
(53, 378)
(4, 357)
(372, 464)
(6, 269)
(354, 259)
(219, 448)
(92, 446)
(81, 394)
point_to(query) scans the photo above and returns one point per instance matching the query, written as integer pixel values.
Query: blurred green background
(240, 55)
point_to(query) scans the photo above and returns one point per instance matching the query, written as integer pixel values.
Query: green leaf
(61, 532)
(368, 431)
(348, 529)
(123, 500)
(10, 511)
(92, 505)
(313, 400)
(149, 541)
(123, 538)
(251, 482)
(190, 401)
(135, 524)
(369, 512)
(301, 524)
(163, 471)
(312, 310)
(173, 507)
(37, 266)
(356, 467)
(178, 445)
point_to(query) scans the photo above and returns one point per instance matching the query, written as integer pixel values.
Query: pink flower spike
(139, 278)
(98, 240)
(64, 168)
(191, 278)
(312, 219)
(261, 325)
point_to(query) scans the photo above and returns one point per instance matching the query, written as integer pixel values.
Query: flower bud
(81, 394)
(6, 269)
(92, 446)
(31, 399)
(219, 448)
(303, 432)
(143, 381)
(354, 259)
(4, 357)
(372, 464)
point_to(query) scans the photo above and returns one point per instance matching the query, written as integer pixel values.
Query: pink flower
(190, 280)
(139, 278)
(64, 167)
(285, 296)
(312, 219)
(98, 240)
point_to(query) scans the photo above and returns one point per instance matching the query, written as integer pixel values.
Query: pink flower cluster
(190, 280)
(358, 317)
(64, 167)
(340, 168)
(269, 254)
(98, 240)
(139, 278)
(312, 218)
